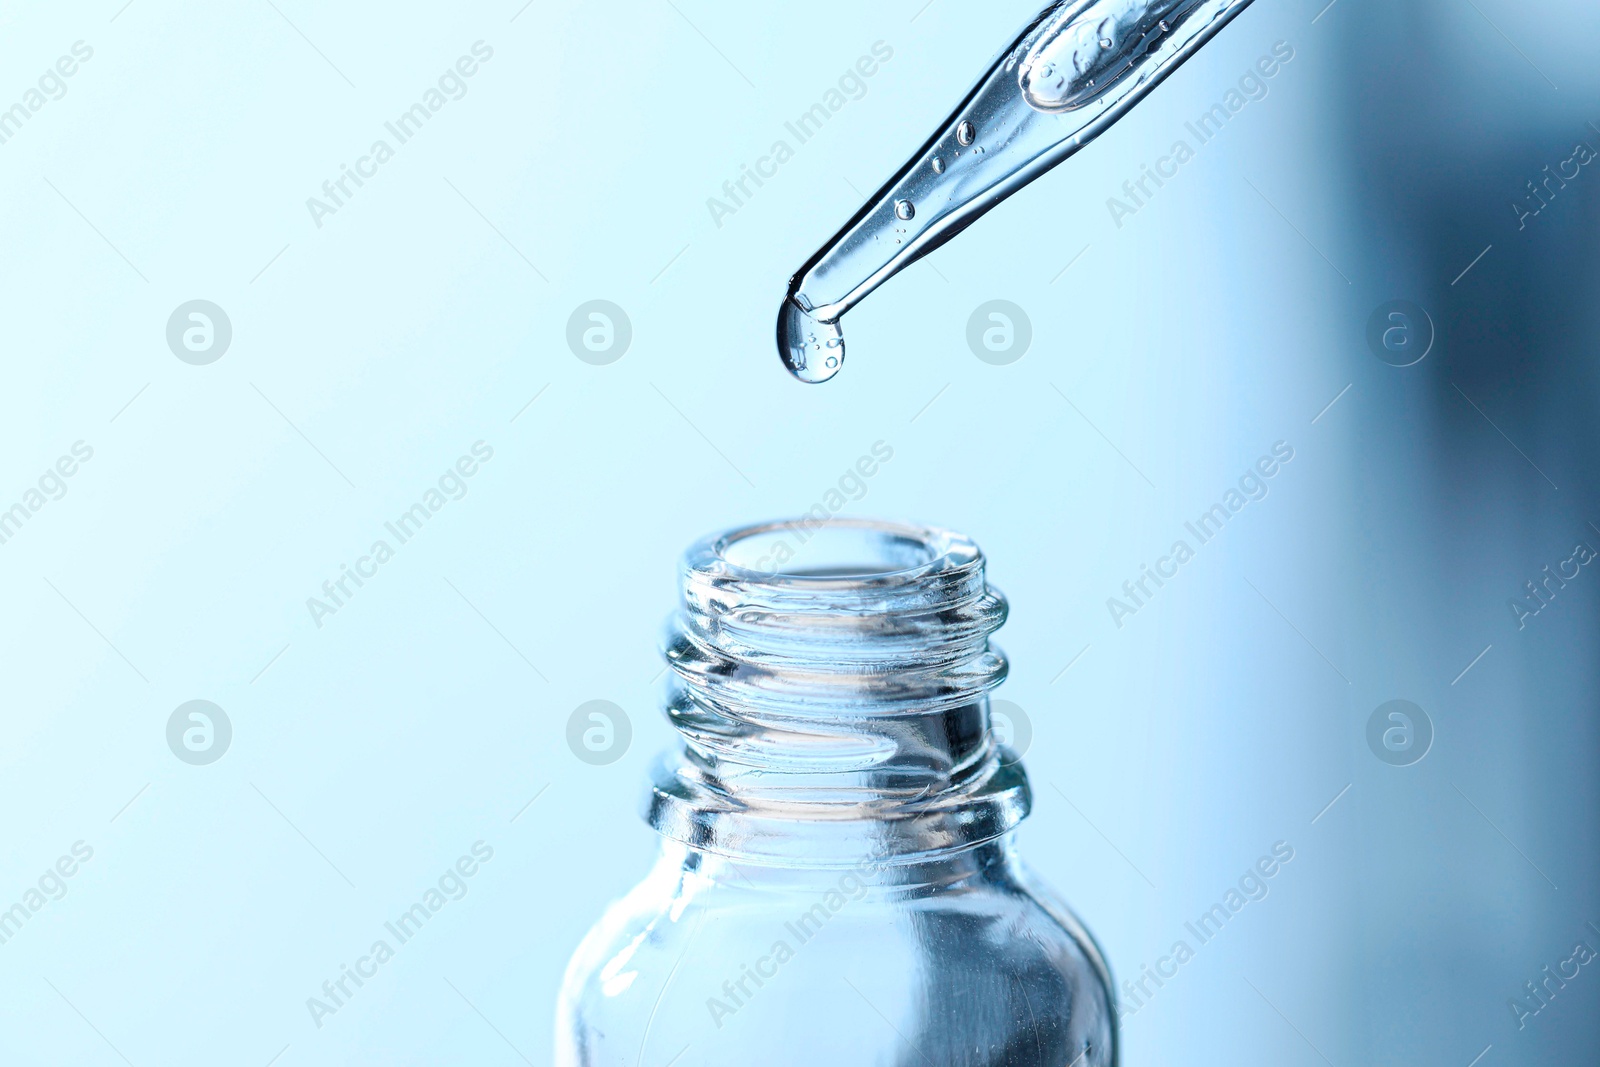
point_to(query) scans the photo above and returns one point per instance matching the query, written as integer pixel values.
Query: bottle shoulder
(986, 960)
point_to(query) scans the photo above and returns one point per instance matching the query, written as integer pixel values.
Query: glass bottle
(837, 883)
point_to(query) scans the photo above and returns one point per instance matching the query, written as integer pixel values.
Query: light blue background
(369, 353)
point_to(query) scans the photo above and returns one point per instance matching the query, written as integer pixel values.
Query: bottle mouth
(812, 553)
(823, 595)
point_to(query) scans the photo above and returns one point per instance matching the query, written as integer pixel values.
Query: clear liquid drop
(905, 209)
(801, 335)
(938, 165)
(966, 133)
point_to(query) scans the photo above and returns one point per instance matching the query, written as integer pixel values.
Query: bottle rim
(815, 554)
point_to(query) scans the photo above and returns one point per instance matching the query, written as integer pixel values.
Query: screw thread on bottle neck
(830, 681)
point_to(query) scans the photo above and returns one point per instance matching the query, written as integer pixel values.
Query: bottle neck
(690, 868)
(830, 681)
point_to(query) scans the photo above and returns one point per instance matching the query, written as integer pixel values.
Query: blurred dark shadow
(1476, 469)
